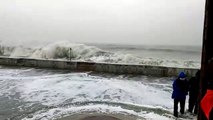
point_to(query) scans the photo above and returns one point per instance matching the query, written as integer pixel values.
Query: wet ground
(39, 94)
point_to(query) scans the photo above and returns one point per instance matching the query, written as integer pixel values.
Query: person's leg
(182, 106)
(196, 108)
(191, 104)
(176, 107)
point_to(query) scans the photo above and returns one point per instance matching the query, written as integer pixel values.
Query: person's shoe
(189, 111)
(176, 115)
(195, 112)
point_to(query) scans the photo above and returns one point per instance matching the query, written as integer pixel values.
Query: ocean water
(39, 94)
(169, 56)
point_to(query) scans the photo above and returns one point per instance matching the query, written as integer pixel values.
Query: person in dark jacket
(194, 92)
(180, 90)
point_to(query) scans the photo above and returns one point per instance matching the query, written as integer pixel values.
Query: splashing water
(82, 52)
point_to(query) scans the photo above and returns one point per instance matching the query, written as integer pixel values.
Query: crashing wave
(82, 52)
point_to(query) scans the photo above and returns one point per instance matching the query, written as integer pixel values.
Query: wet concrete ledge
(97, 67)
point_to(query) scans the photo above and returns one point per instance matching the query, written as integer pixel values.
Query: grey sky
(104, 21)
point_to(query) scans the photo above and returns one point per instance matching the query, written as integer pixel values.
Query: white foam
(21, 52)
(153, 116)
(59, 89)
(62, 50)
(82, 52)
(63, 112)
(54, 90)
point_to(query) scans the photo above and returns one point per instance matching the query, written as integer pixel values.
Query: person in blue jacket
(180, 90)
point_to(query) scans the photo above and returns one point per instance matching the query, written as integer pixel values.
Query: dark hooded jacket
(194, 85)
(180, 88)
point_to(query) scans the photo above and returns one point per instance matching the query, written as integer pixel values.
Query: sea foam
(82, 52)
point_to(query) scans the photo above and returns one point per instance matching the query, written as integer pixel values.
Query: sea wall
(96, 67)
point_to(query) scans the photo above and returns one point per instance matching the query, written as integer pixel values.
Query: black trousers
(182, 106)
(193, 104)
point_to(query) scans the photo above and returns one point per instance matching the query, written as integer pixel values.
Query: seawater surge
(47, 94)
(168, 56)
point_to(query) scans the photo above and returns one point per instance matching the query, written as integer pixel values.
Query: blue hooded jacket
(180, 87)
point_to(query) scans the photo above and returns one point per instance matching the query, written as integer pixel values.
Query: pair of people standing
(180, 89)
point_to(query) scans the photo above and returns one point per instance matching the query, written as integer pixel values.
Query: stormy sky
(154, 22)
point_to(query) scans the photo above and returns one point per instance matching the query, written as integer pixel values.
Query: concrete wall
(97, 67)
